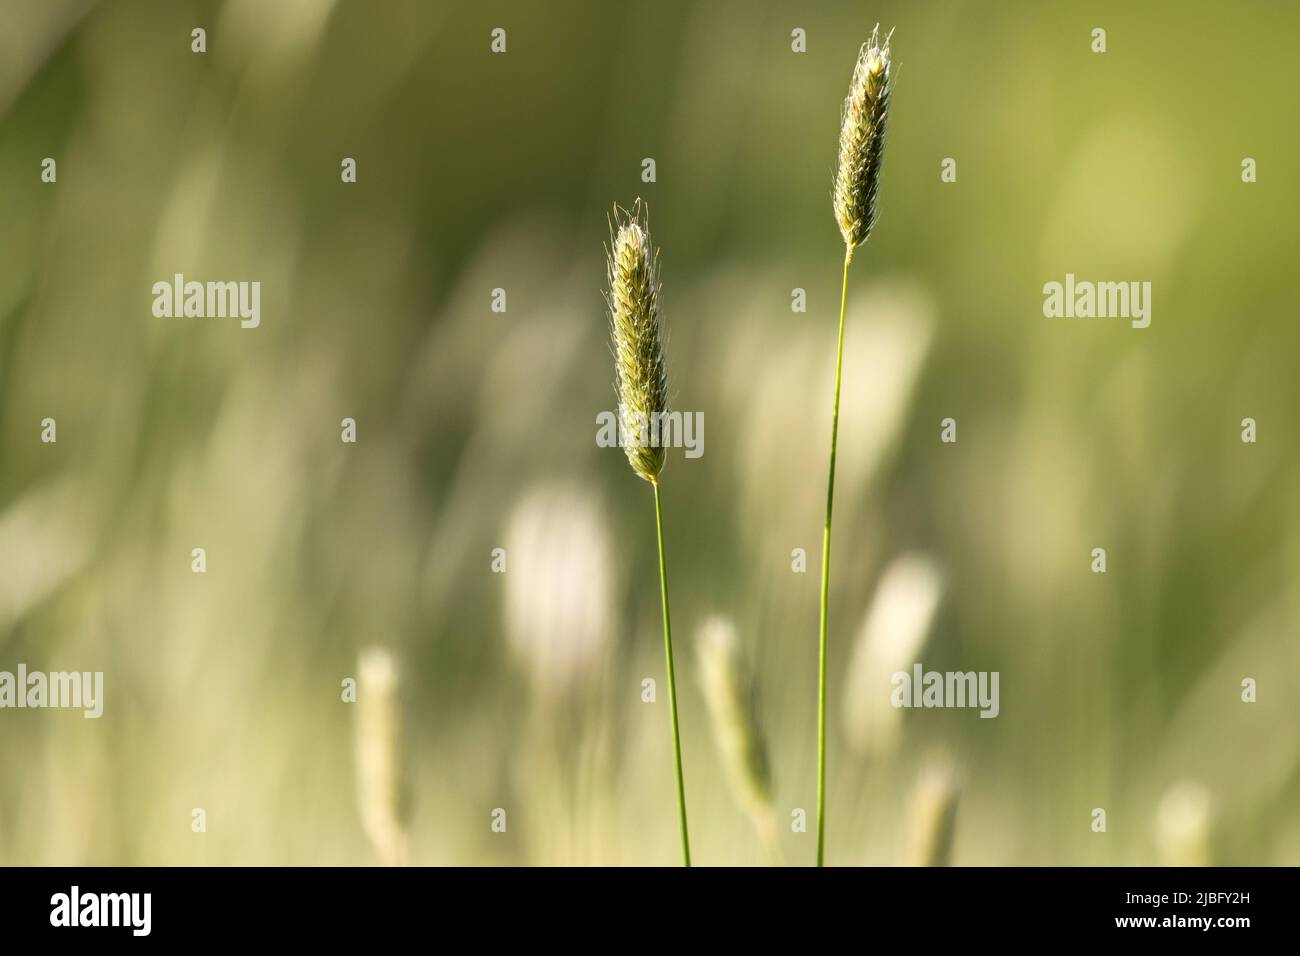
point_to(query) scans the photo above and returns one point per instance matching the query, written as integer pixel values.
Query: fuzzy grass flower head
(633, 299)
(862, 140)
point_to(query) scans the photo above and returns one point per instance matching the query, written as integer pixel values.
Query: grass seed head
(641, 378)
(862, 140)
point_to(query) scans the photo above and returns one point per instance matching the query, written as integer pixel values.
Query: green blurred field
(476, 429)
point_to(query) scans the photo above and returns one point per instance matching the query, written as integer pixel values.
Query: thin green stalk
(826, 579)
(672, 679)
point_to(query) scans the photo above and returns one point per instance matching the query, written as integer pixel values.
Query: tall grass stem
(672, 678)
(826, 577)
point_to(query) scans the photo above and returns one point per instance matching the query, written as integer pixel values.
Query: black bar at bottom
(564, 906)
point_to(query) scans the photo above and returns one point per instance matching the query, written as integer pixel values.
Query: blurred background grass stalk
(381, 771)
(728, 689)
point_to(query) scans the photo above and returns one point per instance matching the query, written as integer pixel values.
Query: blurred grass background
(476, 430)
